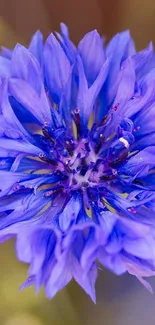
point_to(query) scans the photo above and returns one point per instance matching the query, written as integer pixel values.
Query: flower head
(77, 157)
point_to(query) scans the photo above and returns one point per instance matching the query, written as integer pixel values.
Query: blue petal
(144, 97)
(25, 66)
(112, 262)
(23, 247)
(6, 53)
(144, 61)
(60, 277)
(8, 179)
(14, 129)
(142, 159)
(26, 95)
(124, 92)
(70, 212)
(64, 30)
(114, 244)
(87, 282)
(144, 120)
(127, 83)
(23, 212)
(143, 142)
(10, 148)
(57, 67)
(119, 48)
(142, 247)
(36, 46)
(5, 67)
(87, 96)
(67, 45)
(66, 104)
(92, 54)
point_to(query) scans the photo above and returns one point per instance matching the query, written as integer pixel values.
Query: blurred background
(120, 300)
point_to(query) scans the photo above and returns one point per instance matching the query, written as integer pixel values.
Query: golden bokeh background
(120, 300)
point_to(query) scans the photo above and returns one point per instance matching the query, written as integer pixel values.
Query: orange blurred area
(120, 300)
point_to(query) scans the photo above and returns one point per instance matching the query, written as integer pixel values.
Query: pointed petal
(25, 66)
(119, 48)
(36, 46)
(142, 247)
(144, 61)
(126, 85)
(6, 53)
(92, 54)
(24, 94)
(9, 147)
(86, 97)
(57, 67)
(70, 212)
(144, 158)
(14, 129)
(5, 67)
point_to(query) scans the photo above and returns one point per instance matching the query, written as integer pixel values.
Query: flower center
(87, 164)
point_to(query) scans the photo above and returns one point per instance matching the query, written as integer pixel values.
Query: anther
(48, 193)
(103, 121)
(137, 128)
(46, 133)
(98, 147)
(114, 171)
(115, 107)
(68, 169)
(16, 187)
(43, 157)
(69, 148)
(77, 122)
(132, 210)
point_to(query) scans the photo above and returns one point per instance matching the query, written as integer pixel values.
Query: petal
(142, 247)
(57, 67)
(87, 282)
(23, 212)
(144, 61)
(23, 247)
(126, 85)
(144, 142)
(144, 158)
(114, 244)
(5, 67)
(13, 125)
(8, 179)
(29, 282)
(119, 48)
(60, 277)
(107, 221)
(25, 66)
(24, 94)
(86, 97)
(6, 53)
(36, 46)
(66, 103)
(9, 147)
(92, 54)
(67, 45)
(144, 121)
(113, 262)
(96, 237)
(138, 268)
(70, 212)
(145, 96)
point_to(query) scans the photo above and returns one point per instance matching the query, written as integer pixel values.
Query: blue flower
(77, 158)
